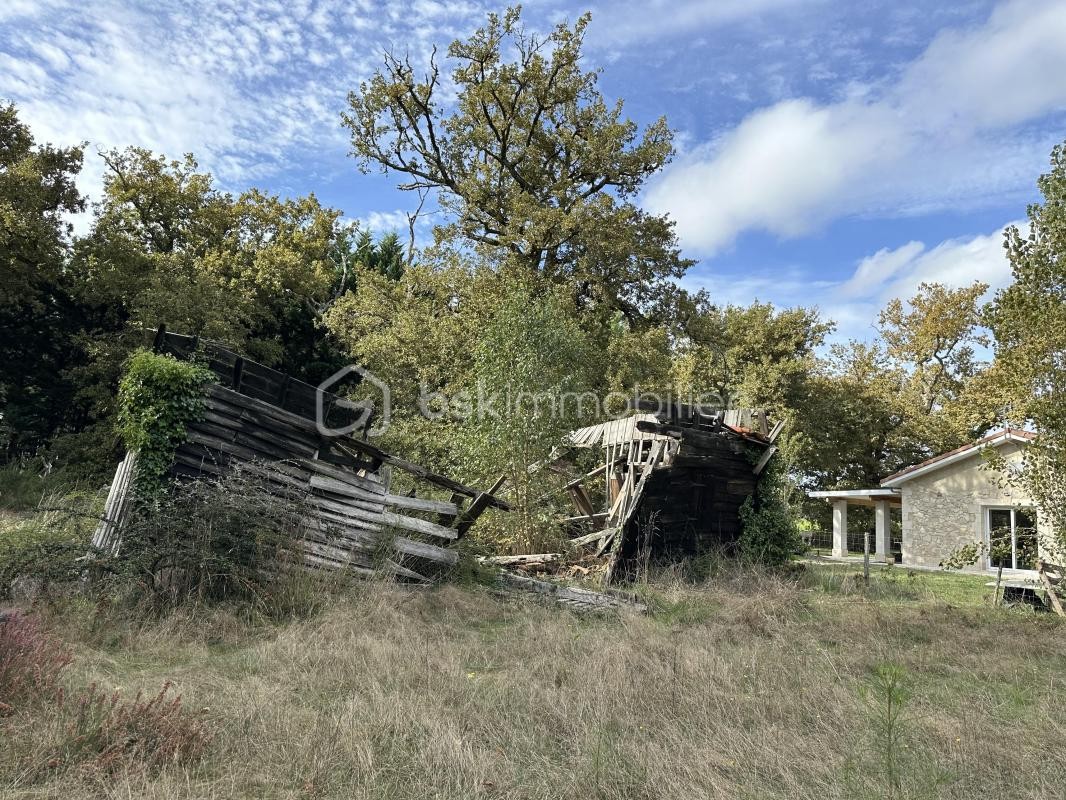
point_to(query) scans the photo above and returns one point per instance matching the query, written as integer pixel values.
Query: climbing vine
(158, 397)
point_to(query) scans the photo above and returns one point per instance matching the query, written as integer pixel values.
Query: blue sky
(830, 153)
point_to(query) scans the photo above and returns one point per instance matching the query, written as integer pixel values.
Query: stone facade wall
(945, 509)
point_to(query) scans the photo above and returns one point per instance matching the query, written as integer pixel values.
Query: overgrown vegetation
(158, 397)
(81, 733)
(770, 536)
(747, 686)
(208, 541)
(536, 188)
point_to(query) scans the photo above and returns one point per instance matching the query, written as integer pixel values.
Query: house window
(1010, 534)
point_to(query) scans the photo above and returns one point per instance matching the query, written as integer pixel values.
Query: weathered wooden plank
(417, 470)
(263, 407)
(531, 560)
(581, 500)
(280, 435)
(270, 447)
(481, 502)
(220, 406)
(346, 488)
(572, 597)
(421, 504)
(370, 514)
(423, 526)
(229, 448)
(599, 516)
(764, 459)
(107, 537)
(370, 540)
(366, 482)
(589, 538)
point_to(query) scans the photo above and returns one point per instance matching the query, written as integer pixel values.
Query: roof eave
(894, 481)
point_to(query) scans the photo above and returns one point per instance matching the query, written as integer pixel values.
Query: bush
(31, 661)
(48, 546)
(225, 539)
(769, 536)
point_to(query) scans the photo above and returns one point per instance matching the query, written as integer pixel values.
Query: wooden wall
(691, 505)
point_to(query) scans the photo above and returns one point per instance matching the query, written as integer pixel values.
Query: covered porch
(881, 500)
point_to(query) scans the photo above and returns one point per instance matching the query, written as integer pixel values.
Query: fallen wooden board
(534, 559)
(418, 525)
(417, 470)
(1043, 568)
(577, 599)
(421, 504)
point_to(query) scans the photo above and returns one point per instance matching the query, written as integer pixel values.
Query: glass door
(1011, 538)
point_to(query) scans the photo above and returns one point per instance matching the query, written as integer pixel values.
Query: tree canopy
(530, 161)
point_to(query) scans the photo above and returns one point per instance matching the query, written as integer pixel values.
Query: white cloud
(855, 301)
(948, 131)
(248, 86)
(897, 273)
(381, 222)
(628, 21)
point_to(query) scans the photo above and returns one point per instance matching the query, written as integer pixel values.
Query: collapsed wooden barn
(674, 482)
(272, 424)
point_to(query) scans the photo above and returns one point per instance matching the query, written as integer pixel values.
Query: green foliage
(964, 556)
(532, 164)
(46, 546)
(158, 397)
(531, 359)
(887, 696)
(1028, 319)
(912, 393)
(215, 540)
(769, 535)
(38, 312)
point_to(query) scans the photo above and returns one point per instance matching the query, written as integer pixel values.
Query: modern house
(947, 502)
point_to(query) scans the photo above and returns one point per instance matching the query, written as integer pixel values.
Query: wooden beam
(423, 526)
(418, 471)
(764, 459)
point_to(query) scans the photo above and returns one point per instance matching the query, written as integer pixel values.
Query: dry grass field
(748, 687)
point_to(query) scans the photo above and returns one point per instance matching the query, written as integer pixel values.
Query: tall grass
(758, 687)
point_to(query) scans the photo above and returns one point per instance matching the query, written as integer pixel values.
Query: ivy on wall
(157, 398)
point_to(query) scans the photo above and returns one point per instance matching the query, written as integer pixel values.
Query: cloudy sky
(830, 153)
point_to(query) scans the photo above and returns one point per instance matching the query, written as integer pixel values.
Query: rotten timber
(264, 422)
(673, 484)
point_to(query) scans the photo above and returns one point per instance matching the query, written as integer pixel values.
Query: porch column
(840, 528)
(883, 531)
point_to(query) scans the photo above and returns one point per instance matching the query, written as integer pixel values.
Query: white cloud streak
(854, 302)
(249, 87)
(622, 23)
(953, 129)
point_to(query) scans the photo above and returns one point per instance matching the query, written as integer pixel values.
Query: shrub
(229, 538)
(31, 661)
(769, 535)
(112, 735)
(48, 545)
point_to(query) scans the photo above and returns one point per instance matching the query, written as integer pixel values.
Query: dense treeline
(544, 276)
